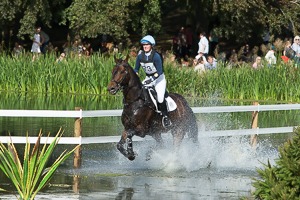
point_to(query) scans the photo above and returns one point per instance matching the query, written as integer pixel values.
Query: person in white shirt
(296, 48)
(35, 48)
(203, 46)
(270, 57)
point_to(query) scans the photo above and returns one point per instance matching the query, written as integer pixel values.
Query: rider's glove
(147, 82)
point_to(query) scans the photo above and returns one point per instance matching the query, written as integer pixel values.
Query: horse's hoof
(131, 157)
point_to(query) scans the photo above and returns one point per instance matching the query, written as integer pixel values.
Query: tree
(26, 14)
(90, 18)
(236, 20)
(244, 19)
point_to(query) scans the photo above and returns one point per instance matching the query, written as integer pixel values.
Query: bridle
(119, 84)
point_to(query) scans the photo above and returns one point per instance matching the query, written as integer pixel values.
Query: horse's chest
(133, 114)
(137, 118)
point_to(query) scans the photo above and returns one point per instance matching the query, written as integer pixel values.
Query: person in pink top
(257, 63)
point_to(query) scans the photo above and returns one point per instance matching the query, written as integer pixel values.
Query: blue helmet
(148, 39)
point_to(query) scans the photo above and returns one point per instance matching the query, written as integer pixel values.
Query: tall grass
(91, 76)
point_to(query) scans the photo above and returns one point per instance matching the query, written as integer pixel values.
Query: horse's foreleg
(130, 152)
(126, 138)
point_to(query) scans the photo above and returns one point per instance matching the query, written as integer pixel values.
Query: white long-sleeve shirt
(203, 45)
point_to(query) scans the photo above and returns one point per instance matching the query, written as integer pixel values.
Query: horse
(140, 118)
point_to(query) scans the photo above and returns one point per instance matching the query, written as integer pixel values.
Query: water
(218, 168)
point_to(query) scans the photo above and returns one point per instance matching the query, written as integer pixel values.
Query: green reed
(91, 76)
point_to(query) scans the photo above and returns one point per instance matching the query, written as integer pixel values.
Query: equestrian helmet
(148, 39)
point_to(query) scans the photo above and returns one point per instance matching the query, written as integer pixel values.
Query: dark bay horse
(141, 119)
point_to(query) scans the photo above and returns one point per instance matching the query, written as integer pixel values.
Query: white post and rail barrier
(79, 114)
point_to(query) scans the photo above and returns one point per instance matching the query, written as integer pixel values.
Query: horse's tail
(190, 120)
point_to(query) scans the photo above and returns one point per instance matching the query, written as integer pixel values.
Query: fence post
(253, 138)
(77, 133)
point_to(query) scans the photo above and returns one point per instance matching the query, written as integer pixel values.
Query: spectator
(61, 58)
(257, 64)
(175, 48)
(203, 46)
(270, 56)
(18, 49)
(199, 65)
(182, 42)
(103, 48)
(233, 59)
(35, 48)
(296, 48)
(211, 63)
(288, 51)
(189, 39)
(245, 54)
(44, 40)
(213, 41)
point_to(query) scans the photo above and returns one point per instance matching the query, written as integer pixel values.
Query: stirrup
(166, 122)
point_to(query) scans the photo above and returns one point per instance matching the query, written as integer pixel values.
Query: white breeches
(160, 85)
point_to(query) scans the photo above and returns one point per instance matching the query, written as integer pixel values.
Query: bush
(281, 181)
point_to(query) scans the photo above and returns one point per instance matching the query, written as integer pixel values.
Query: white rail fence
(79, 114)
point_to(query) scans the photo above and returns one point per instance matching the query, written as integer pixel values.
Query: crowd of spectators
(207, 56)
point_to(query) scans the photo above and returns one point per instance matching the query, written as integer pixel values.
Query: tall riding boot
(164, 111)
(146, 96)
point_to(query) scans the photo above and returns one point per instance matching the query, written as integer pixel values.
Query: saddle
(171, 105)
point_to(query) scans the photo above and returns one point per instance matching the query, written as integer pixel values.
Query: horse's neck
(133, 91)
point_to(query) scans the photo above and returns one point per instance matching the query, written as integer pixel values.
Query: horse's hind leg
(178, 136)
(126, 138)
(193, 131)
(159, 144)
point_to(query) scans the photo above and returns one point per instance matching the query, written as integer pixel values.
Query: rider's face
(146, 47)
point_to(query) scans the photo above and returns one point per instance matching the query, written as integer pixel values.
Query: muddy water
(219, 168)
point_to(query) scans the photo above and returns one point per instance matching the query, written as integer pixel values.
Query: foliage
(281, 181)
(91, 18)
(31, 175)
(238, 20)
(26, 14)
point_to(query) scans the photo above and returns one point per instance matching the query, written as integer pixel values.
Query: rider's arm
(137, 63)
(158, 64)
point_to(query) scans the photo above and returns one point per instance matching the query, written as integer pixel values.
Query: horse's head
(120, 76)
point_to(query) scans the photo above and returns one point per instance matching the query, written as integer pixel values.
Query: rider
(152, 64)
